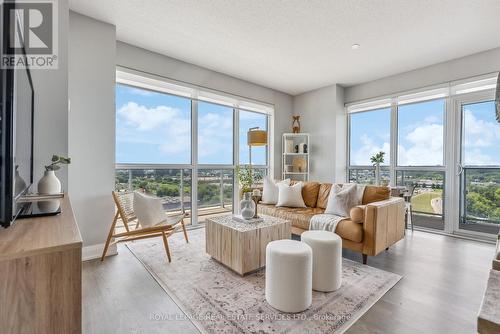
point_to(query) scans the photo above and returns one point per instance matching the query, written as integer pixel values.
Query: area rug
(217, 300)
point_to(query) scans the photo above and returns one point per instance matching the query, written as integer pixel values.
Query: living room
(252, 166)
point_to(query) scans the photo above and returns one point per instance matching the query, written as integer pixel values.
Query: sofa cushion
(375, 194)
(324, 191)
(347, 229)
(299, 217)
(310, 192)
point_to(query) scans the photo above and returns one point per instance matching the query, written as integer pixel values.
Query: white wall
(322, 115)
(461, 68)
(51, 106)
(154, 63)
(92, 125)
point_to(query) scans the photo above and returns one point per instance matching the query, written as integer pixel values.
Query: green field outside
(422, 202)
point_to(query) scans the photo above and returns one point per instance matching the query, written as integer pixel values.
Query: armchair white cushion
(149, 210)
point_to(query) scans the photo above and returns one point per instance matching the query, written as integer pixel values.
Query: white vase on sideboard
(49, 184)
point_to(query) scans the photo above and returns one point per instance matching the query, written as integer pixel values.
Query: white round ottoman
(289, 275)
(327, 259)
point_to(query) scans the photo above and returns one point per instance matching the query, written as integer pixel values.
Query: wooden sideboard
(41, 275)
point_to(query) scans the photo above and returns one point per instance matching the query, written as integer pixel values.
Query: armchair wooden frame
(125, 213)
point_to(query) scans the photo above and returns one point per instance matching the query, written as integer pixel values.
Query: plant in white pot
(49, 184)
(376, 160)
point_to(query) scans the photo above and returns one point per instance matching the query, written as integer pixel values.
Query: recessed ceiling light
(355, 46)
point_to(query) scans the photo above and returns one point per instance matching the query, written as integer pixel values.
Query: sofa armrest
(357, 214)
(383, 225)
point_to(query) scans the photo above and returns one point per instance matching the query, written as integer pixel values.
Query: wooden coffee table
(242, 246)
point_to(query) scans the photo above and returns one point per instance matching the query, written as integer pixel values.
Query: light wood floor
(444, 280)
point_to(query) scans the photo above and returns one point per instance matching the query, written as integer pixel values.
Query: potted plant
(244, 176)
(376, 160)
(246, 179)
(49, 183)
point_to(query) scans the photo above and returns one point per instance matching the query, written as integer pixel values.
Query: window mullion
(394, 142)
(194, 162)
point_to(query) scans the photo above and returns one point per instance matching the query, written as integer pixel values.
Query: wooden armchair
(125, 213)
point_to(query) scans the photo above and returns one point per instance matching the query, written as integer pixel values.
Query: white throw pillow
(149, 210)
(270, 191)
(341, 200)
(290, 196)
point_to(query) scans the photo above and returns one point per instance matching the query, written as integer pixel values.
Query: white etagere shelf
(295, 157)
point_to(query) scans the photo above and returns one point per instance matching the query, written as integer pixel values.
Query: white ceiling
(298, 45)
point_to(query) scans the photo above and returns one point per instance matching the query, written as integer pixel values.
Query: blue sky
(155, 128)
(481, 139)
(420, 134)
(370, 133)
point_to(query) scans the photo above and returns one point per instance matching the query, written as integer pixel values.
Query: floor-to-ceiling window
(177, 147)
(260, 154)
(153, 145)
(420, 159)
(479, 165)
(369, 133)
(442, 143)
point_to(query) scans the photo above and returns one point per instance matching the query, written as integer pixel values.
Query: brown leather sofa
(371, 228)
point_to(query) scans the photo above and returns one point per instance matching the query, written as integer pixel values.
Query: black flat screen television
(16, 137)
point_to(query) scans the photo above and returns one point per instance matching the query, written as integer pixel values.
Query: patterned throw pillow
(341, 200)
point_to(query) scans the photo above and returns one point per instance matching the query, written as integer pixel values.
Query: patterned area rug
(218, 300)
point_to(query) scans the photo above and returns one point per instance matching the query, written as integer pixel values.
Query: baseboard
(95, 251)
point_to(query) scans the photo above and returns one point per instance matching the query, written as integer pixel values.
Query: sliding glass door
(441, 144)
(479, 168)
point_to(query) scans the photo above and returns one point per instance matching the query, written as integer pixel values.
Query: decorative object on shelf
(377, 159)
(247, 206)
(295, 169)
(49, 183)
(296, 124)
(289, 148)
(299, 165)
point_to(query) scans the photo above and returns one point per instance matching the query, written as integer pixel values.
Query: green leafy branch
(247, 177)
(378, 158)
(57, 160)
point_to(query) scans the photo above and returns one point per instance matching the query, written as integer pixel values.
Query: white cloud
(368, 148)
(144, 118)
(479, 137)
(425, 146)
(422, 144)
(215, 134)
(168, 128)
